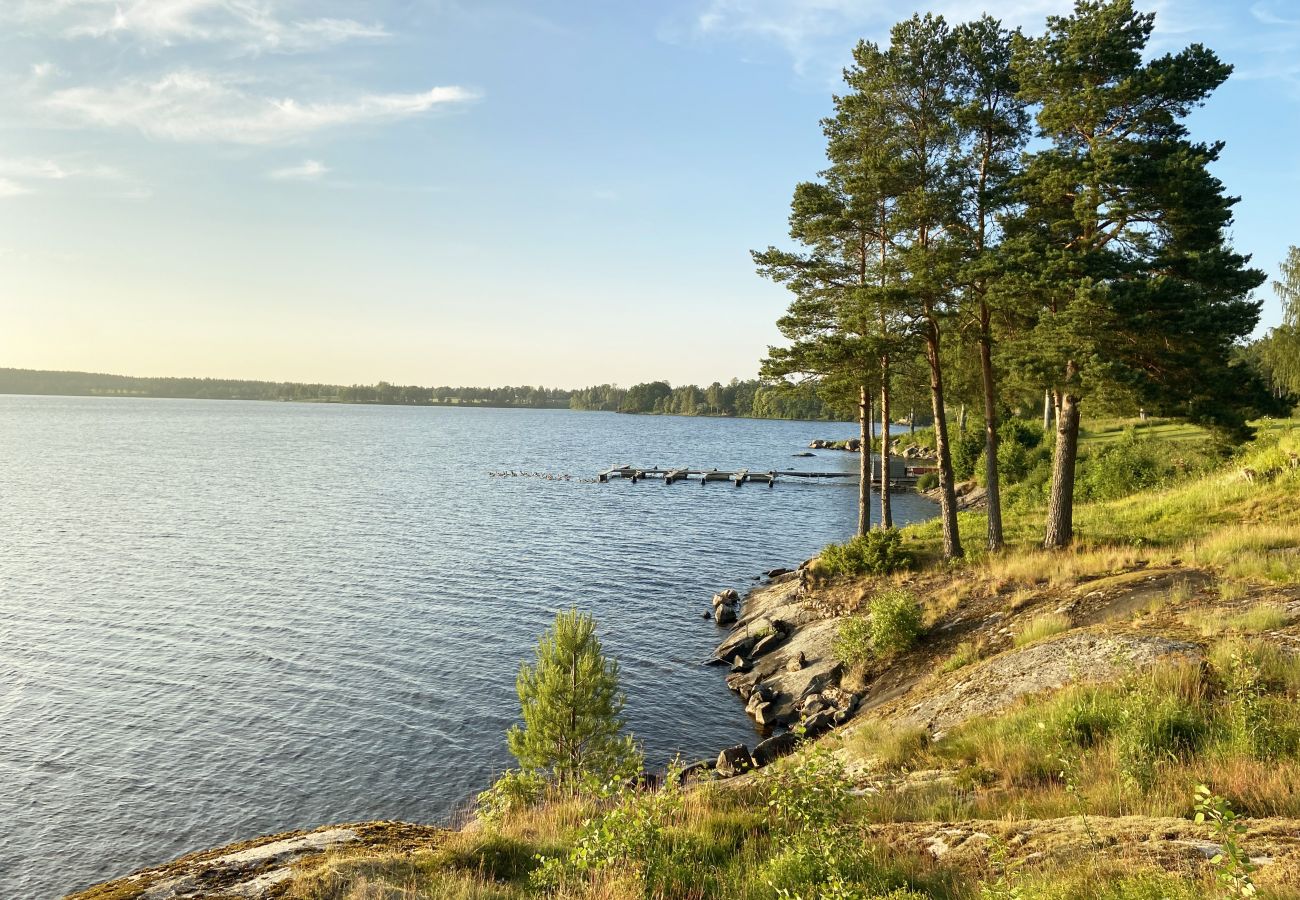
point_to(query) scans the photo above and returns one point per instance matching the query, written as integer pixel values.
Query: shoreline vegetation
(749, 399)
(1119, 719)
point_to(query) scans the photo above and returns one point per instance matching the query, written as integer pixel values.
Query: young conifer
(572, 706)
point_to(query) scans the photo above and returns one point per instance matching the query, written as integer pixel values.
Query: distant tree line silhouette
(749, 398)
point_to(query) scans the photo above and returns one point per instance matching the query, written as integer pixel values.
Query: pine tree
(572, 706)
(1121, 245)
(994, 124)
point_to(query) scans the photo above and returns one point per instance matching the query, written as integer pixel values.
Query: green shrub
(892, 625)
(928, 482)
(1021, 432)
(515, 790)
(1156, 726)
(895, 621)
(967, 448)
(852, 644)
(878, 552)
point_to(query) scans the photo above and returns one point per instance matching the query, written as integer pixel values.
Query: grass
(1260, 617)
(1040, 628)
(967, 652)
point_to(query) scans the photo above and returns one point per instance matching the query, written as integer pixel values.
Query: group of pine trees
(1022, 213)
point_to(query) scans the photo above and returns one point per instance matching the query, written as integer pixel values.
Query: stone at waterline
(697, 771)
(739, 664)
(734, 761)
(724, 615)
(775, 747)
(759, 693)
(777, 573)
(804, 454)
(729, 595)
(765, 714)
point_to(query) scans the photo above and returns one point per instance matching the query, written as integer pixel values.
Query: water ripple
(223, 619)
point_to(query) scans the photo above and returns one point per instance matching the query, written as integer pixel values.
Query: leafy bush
(877, 552)
(895, 621)
(1157, 726)
(891, 626)
(928, 482)
(1021, 433)
(852, 644)
(967, 449)
(631, 837)
(515, 790)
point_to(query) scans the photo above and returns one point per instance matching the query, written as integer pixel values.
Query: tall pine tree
(1122, 245)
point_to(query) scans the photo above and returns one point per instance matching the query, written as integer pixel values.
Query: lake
(222, 619)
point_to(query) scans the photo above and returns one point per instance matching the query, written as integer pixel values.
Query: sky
(479, 192)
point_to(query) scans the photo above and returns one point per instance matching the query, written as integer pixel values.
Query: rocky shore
(779, 655)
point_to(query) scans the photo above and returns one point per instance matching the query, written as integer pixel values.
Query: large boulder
(734, 761)
(774, 748)
(725, 614)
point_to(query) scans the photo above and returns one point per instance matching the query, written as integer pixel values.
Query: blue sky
(469, 191)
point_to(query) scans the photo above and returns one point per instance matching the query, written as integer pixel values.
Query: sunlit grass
(1041, 627)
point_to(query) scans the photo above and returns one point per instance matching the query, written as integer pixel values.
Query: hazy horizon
(469, 194)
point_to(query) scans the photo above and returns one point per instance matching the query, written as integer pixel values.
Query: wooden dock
(741, 476)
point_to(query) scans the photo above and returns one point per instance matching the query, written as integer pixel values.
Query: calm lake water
(223, 619)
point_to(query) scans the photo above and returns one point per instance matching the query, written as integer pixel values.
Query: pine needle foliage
(572, 707)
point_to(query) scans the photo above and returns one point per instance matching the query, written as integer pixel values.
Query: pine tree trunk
(886, 509)
(864, 460)
(992, 486)
(911, 422)
(1047, 409)
(1060, 505)
(947, 493)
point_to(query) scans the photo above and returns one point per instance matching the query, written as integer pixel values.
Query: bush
(928, 482)
(515, 790)
(895, 622)
(891, 626)
(852, 643)
(967, 448)
(877, 552)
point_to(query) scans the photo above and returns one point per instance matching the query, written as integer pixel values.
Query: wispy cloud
(252, 25)
(22, 175)
(307, 170)
(1273, 13)
(190, 105)
(10, 188)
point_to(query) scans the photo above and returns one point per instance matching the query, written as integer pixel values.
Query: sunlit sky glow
(469, 191)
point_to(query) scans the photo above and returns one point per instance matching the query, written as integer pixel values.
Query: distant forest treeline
(737, 398)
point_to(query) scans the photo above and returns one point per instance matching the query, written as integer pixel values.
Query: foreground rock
(991, 686)
(1172, 844)
(259, 869)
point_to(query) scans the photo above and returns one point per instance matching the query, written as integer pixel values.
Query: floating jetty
(900, 476)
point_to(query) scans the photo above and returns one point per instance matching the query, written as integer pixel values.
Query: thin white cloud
(307, 170)
(9, 188)
(23, 175)
(189, 105)
(253, 25)
(1270, 14)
